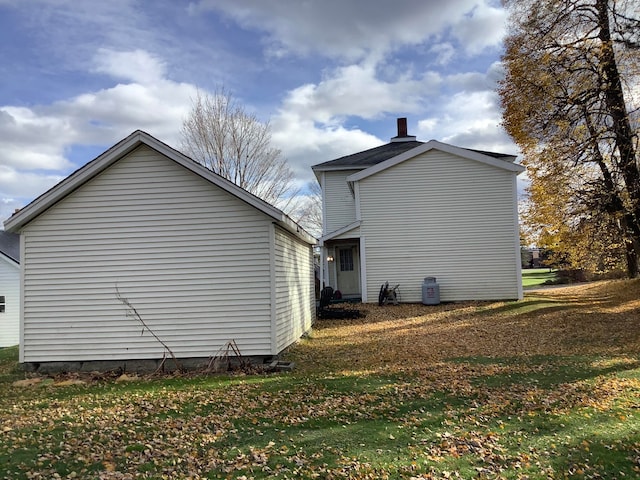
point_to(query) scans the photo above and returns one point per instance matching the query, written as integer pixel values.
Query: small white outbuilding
(201, 260)
(9, 289)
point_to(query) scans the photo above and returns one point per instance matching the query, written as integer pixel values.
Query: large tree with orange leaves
(568, 102)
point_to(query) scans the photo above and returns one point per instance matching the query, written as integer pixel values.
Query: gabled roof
(126, 146)
(498, 160)
(10, 245)
(341, 231)
(367, 158)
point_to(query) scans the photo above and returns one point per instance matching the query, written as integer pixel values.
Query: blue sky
(330, 75)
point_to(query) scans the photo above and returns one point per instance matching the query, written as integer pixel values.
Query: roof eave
(122, 148)
(341, 231)
(73, 181)
(435, 145)
(320, 168)
(9, 260)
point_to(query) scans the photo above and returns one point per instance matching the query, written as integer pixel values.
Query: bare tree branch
(131, 311)
(222, 136)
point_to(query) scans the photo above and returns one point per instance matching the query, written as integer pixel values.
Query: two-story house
(409, 209)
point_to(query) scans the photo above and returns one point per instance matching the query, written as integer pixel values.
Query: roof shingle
(370, 157)
(10, 245)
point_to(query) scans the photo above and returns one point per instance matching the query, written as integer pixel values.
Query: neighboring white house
(9, 289)
(202, 261)
(408, 210)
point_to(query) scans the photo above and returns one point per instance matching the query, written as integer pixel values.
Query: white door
(348, 269)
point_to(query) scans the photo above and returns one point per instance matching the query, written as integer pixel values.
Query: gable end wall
(444, 216)
(190, 257)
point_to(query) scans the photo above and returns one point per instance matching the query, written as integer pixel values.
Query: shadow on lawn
(575, 323)
(550, 413)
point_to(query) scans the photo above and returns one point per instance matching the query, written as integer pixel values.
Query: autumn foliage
(570, 102)
(544, 388)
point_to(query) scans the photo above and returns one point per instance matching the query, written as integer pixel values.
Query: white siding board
(295, 289)
(444, 216)
(192, 259)
(10, 289)
(340, 206)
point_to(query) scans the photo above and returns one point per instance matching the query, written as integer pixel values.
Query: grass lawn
(535, 277)
(548, 387)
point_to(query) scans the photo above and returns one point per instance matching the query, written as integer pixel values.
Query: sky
(331, 76)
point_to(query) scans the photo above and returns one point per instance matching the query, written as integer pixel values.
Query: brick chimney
(403, 136)
(402, 127)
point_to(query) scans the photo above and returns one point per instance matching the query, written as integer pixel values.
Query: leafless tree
(221, 135)
(307, 209)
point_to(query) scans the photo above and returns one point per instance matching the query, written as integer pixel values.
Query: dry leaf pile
(593, 319)
(540, 389)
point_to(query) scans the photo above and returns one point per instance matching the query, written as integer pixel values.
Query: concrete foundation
(141, 366)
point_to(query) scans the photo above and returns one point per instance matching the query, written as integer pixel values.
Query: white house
(202, 261)
(408, 210)
(9, 289)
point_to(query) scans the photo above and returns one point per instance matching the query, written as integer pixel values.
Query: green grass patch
(535, 277)
(542, 417)
(8, 360)
(461, 415)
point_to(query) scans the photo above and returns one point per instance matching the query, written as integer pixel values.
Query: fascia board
(212, 177)
(435, 145)
(72, 182)
(278, 215)
(9, 260)
(340, 231)
(318, 168)
(122, 148)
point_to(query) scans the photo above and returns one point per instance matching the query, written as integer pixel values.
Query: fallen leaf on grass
(27, 382)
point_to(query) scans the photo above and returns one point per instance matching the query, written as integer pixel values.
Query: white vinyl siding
(444, 216)
(353, 233)
(295, 289)
(190, 257)
(340, 206)
(10, 290)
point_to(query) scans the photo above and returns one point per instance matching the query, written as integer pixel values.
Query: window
(346, 260)
(2, 304)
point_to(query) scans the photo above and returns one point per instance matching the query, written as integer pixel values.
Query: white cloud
(108, 115)
(356, 90)
(14, 184)
(351, 30)
(308, 126)
(32, 141)
(482, 27)
(305, 143)
(444, 52)
(472, 119)
(426, 126)
(36, 140)
(36, 137)
(136, 66)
